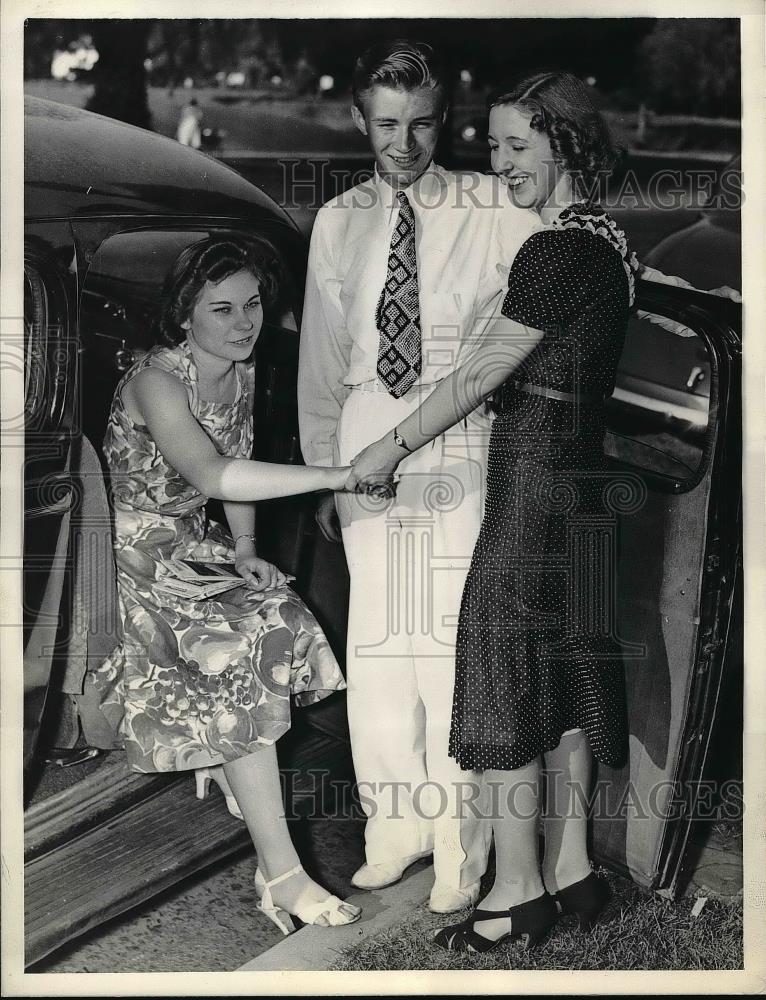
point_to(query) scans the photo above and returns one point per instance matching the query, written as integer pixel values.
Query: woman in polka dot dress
(539, 683)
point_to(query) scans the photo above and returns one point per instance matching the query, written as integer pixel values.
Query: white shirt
(467, 235)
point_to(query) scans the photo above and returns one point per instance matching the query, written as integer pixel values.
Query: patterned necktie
(398, 314)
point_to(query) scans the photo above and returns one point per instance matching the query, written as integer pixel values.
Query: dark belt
(588, 399)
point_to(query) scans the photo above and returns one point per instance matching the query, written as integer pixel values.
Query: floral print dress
(196, 683)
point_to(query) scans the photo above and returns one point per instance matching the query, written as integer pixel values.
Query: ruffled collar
(598, 222)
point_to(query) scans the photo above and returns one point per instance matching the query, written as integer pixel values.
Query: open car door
(675, 433)
(114, 838)
(50, 436)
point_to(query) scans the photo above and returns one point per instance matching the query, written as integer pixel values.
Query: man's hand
(327, 518)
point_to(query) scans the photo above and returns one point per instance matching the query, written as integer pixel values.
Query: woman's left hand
(259, 574)
(375, 466)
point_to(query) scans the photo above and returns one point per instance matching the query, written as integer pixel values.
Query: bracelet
(399, 440)
(251, 537)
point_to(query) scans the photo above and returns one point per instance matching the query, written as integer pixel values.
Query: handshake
(372, 470)
(377, 485)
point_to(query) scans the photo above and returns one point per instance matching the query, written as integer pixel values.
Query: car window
(124, 283)
(658, 416)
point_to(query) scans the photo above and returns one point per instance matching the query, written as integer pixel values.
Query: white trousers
(408, 560)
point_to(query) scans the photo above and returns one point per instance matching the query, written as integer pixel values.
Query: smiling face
(227, 317)
(403, 128)
(523, 156)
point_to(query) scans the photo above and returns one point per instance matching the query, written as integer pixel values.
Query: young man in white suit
(404, 272)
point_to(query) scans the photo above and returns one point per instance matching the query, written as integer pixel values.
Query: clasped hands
(372, 470)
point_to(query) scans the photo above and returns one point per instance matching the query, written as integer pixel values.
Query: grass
(638, 930)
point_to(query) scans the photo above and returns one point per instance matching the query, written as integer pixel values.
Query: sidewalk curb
(314, 949)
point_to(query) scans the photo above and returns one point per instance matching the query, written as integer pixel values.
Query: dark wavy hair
(561, 106)
(213, 259)
(401, 64)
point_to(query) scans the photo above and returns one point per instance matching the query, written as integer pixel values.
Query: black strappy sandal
(584, 899)
(530, 921)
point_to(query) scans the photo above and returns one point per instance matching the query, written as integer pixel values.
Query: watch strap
(399, 440)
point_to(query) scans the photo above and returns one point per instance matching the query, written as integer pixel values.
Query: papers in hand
(197, 581)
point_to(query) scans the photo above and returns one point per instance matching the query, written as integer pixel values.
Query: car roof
(77, 164)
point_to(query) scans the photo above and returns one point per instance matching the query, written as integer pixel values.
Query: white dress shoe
(445, 899)
(384, 874)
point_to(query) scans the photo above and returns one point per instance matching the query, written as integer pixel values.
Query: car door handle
(124, 357)
(696, 375)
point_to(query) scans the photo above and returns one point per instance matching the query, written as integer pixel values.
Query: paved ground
(210, 923)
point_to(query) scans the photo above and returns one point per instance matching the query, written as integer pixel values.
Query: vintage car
(105, 216)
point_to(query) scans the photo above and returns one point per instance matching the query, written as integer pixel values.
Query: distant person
(189, 132)
(305, 77)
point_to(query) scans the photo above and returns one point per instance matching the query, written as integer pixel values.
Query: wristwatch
(399, 440)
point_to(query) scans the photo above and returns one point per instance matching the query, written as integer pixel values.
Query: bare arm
(505, 346)
(241, 519)
(164, 408)
(259, 573)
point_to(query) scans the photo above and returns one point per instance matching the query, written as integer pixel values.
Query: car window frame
(58, 354)
(690, 308)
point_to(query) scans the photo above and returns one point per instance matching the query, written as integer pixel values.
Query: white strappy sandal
(329, 907)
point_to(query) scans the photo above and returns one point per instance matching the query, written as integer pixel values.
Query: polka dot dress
(535, 653)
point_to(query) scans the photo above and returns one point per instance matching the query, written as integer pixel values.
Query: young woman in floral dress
(206, 685)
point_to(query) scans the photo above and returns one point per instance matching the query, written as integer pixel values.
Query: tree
(119, 76)
(42, 37)
(692, 65)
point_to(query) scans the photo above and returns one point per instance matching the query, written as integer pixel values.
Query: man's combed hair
(561, 106)
(213, 259)
(400, 64)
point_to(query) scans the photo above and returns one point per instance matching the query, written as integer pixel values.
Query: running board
(137, 840)
(106, 791)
